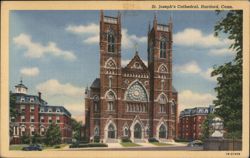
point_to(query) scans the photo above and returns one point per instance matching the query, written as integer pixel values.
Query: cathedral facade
(136, 101)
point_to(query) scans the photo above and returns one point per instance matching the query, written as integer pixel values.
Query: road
(162, 148)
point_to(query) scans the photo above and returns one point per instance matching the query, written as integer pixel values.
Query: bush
(96, 139)
(97, 145)
(151, 140)
(181, 140)
(57, 147)
(88, 145)
(83, 142)
(25, 139)
(125, 140)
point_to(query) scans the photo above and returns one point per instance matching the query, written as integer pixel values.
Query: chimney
(40, 96)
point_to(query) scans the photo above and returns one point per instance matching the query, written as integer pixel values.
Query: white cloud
(221, 51)
(195, 37)
(33, 71)
(37, 50)
(53, 87)
(125, 62)
(189, 99)
(90, 33)
(207, 75)
(191, 67)
(91, 29)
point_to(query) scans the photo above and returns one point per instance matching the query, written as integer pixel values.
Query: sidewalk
(114, 145)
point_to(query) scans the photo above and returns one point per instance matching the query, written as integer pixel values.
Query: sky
(57, 52)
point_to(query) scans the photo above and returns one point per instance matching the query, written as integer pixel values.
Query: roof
(21, 85)
(136, 59)
(174, 90)
(197, 110)
(24, 98)
(56, 107)
(96, 83)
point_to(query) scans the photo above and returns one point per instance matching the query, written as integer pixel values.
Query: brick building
(135, 101)
(190, 122)
(34, 115)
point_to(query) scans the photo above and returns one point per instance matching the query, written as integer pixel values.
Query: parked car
(33, 147)
(195, 143)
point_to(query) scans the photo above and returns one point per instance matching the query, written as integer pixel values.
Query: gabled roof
(139, 66)
(96, 83)
(174, 90)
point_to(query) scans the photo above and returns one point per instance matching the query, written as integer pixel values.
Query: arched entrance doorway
(137, 131)
(111, 131)
(162, 131)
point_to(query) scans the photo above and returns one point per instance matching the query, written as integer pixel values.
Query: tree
(205, 127)
(25, 139)
(36, 138)
(53, 135)
(13, 111)
(229, 75)
(76, 128)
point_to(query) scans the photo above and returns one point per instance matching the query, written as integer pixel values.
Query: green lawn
(20, 146)
(129, 144)
(17, 147)
(160, 144)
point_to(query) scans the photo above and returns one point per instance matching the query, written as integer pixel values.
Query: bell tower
(110, 67)
(160, 67)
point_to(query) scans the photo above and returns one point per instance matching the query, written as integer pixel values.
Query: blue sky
(57, 52)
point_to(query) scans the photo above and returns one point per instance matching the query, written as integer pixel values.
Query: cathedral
(137, 102)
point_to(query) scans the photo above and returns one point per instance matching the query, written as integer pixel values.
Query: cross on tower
(136, 47)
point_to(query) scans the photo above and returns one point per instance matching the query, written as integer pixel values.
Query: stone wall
(223, 144)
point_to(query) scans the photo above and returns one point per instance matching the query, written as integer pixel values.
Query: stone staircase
(112, 141)
(139, 141)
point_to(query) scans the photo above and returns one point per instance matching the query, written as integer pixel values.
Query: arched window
(162, 131)
(111, 131)
(22, 130)
(163, 46)
(111, 42)
(125, 133)
(111, 101)
(137, 131)
(32, 130)
(42, 131)
(162, 102)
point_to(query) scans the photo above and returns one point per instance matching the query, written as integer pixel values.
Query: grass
(17, 147)
(20, 146)
(129, 144)
(160, 144)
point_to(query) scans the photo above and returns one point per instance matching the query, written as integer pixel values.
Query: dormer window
(31, 99)
(50, 110)
(57, 110)
(22, 99)
(42, 110)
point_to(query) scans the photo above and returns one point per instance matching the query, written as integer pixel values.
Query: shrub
(97, 145)
(96, 139)
(57, 147)
(151, 140)
(125, 140)
(88, 145)
(181, 140)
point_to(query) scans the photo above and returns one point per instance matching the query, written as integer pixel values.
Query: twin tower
(135, 102)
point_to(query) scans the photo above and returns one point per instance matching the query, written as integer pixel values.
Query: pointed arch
(136, 91)
(110, 63)
(110, 95)
(110, 130)
(162, 98)
(137, 129)
(163, 68)
(162, 129)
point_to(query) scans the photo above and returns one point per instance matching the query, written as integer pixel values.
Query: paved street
(162, 148)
